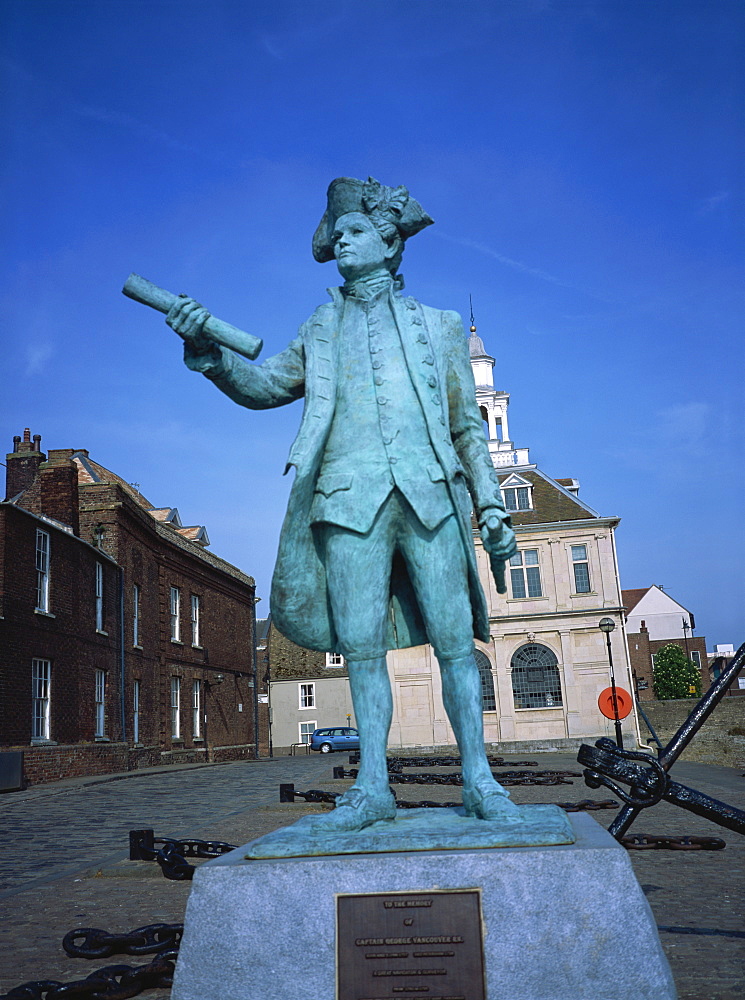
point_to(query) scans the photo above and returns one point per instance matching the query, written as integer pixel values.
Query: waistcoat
(378, 438)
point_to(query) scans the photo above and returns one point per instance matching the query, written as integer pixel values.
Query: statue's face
(358, 246)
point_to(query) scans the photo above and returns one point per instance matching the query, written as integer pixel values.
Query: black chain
(396, 763)
(315, 795)
(113, 982)
(396, 777)
(646, 842)
(90, 942)
(457, 779)
(172, 855)
(587, 805)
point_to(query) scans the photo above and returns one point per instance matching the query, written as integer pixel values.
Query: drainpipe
(256, 677)
(122, 682)
(629, 680)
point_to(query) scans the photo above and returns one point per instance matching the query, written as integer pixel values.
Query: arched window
(535, 677)
(488, 700)
(485, 418)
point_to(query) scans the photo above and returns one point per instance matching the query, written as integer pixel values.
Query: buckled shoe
(488, 801)
(356, 809)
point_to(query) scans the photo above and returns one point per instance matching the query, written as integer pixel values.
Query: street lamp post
(607, 625)
(686, 629)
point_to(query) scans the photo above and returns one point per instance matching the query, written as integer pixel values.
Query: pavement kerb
(85, 780)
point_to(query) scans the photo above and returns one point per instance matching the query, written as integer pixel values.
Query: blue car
(335, 738)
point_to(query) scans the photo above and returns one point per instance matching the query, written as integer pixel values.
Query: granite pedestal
(559, 923)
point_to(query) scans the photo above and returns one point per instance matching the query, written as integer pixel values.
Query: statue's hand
(499, 541)
(187, 318)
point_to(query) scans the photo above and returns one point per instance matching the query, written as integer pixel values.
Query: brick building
(654, 619)
(126, 643)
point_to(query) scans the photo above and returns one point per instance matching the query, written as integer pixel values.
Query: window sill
(588, 593)
(102, 739)
(176, 642)
(177, 740)
(47, 614)
(543, 708)
(44, 743)
(307, 708)
(198, 739)
(137, 646)
(196, 645)
(525, 600)
(100, 631)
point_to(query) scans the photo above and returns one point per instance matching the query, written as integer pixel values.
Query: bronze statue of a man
(376, 551)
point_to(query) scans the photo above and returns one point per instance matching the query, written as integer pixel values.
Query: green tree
(675, 676)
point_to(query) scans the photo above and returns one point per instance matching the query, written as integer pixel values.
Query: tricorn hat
(347, 194)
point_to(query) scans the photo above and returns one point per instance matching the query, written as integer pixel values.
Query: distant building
(546, 661)
(126, 643)
(309, 690)
(654, 619)
(718, 661)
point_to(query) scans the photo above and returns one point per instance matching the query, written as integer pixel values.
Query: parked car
(336, 738)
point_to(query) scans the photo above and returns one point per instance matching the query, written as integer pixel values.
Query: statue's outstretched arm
(279, 380)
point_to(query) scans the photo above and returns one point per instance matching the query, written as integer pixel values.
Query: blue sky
(583, 164)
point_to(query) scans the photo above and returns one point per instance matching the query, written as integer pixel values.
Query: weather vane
(473, 321)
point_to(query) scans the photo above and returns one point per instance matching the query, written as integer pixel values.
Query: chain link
(90, 942)
(646, 842)
(172, 855)
(509, 778)
(397, 763)
(112, 982)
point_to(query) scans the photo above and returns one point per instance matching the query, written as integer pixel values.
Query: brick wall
(66, 636)
(721, 740)
(290, 660)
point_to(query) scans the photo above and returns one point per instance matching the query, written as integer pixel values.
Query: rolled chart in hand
(141, 290)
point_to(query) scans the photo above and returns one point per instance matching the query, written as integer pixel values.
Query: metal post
(614, 696)
(686, 627)
(255, 668)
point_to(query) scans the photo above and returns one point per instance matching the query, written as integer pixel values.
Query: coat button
(382, 400)
(432, 382)
(379, 380)
(428, 359)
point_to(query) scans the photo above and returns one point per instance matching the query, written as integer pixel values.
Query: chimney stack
(58, 478)
(23, 464)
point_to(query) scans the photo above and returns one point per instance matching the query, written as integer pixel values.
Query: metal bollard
(141, 845)
(287, 793)
(338, 772)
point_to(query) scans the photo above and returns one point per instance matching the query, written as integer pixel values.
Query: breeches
(358, 569)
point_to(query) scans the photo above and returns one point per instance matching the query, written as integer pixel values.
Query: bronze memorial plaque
(398, 945)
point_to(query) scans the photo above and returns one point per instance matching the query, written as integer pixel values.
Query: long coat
(436, 354)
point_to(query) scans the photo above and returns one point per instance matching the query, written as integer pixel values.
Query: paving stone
(64, 849)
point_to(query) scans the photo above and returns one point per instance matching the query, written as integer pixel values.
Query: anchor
(649, 780)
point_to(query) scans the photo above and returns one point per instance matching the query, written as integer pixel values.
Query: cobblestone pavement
(64, 848)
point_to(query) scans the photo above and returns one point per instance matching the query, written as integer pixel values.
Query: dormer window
(517, 499)
(517, 493)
